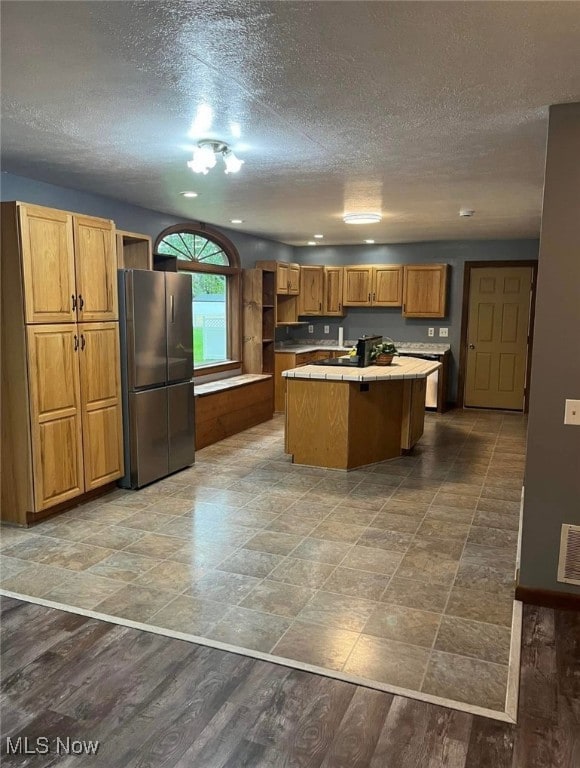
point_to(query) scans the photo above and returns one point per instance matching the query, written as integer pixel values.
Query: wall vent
(569, 562)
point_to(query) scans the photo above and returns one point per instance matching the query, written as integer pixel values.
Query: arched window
(214, 265)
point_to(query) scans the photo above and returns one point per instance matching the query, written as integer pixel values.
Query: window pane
(188, 246)
(210, 322)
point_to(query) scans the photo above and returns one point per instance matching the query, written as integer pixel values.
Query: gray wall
(552, 483)
(389, 321)
(129, 217)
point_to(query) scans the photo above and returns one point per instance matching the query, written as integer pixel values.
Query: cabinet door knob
(374, 294)
(320, 306)
(369, 297)
(81, 302)
(83, 342)
(74, 302)
(76, 342)
(472, 346)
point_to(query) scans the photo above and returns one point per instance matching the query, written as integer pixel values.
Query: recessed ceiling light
(312, 242)
(361, 218)
(369, 242)
(466, 213)
(318, 237)
(237, 221)
(189, 194)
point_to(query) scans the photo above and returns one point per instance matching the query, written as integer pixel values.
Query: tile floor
(400, 574)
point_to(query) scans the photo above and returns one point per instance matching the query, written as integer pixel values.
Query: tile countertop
(403, 346)
(400, 368)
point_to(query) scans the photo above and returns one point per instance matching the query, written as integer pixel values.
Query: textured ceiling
(413, 109)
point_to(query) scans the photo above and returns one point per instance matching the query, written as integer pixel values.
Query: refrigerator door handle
(172, 304)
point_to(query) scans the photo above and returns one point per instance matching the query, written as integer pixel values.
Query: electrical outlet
(444, 332)
(326, 329)
(310, 329)
(572, 413)
(430, 331)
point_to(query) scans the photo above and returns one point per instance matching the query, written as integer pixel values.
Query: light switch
(444, 332)
(572, 412)
(326, 329)
(430, 331)
(310, 329)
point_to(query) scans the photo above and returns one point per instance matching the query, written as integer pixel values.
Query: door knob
(472, 346)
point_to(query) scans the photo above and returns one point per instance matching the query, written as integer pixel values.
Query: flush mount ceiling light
(466, 213)
(189, 194)
(312, 242)
(361, 218)
(236, 221)
(318, 237)
(206, 153)
(369, 242)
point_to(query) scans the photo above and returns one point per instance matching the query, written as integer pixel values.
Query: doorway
(496, 336)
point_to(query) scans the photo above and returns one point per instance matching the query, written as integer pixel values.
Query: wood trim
(548, 598)
(207, 370)
(468, 266)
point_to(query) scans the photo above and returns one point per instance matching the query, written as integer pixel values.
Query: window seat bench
(229, 406)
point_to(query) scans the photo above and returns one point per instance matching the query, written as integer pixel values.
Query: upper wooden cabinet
(425, 290)
(333, 282)
(311, 291)
(48, 265)
(69, 266)
(287, 290)
(321, 291)
(379, 285)
(287, 277)
(294, 271)
(96, 269)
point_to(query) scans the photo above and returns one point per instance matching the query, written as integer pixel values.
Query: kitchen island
(347, 417)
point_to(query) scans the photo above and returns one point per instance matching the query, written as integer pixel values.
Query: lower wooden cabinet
(100, 388)
(75, 409)
(55, 414)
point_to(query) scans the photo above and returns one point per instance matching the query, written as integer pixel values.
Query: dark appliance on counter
(155, 322)
(362, 358)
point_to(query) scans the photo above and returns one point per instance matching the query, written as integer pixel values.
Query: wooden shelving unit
(259, 316)
(134, 251)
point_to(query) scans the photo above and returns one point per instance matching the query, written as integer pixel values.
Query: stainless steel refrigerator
(156, 367)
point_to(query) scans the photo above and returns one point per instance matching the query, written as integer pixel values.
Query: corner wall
(552, 479)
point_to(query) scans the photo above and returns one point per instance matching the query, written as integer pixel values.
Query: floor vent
(569, 562)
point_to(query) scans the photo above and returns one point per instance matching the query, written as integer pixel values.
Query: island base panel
(343, 425)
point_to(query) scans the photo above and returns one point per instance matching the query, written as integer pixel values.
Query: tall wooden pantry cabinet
(61, 389)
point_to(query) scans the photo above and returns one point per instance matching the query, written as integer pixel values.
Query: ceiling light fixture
(205, 157)
(312, 242)
(466, 213)
(369, 242)
(236, 221)
(189, 194)
(361, 218)
(318, 237)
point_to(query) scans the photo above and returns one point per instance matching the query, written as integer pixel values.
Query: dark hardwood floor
(155, 701)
